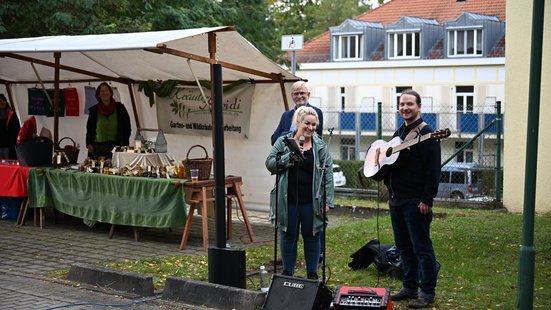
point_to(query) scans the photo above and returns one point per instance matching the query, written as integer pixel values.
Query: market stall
(125, 60)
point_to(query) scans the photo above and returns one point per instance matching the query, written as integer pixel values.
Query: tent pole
(133, 100)
(283, 93)
(57, 56)
(10, 95)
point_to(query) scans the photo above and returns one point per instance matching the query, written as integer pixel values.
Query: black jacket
(416, 173)
(9, 130)
(123, 125)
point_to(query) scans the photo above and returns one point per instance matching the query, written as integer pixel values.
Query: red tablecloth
(13, 180)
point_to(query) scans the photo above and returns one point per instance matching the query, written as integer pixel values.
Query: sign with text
(185, 111)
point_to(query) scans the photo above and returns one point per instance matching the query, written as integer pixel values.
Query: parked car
(460, 181)
(338, 176)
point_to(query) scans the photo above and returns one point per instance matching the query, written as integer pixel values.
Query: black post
(322, 197)
(219, 169)
(226, 266)
(527, 255)
(279, 168)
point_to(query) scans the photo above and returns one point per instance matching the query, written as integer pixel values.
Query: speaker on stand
(292, 293)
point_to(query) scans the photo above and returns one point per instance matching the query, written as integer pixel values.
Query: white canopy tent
(127, 58)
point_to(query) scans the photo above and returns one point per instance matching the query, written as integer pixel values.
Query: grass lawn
(478, 251)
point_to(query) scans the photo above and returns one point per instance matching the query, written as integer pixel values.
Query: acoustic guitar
(382, 154)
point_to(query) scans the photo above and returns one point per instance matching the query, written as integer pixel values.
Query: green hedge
(350, 168)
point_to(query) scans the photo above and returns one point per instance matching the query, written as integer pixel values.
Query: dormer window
(403, 44)
(465, 42)
(348, 47)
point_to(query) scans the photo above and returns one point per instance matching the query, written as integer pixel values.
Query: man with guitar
(412, 183)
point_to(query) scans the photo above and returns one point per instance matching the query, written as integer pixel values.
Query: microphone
(296, 155)
(301, 141)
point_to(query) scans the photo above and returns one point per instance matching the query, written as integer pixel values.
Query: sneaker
(402, 296)
(421, 302)
(312, 276)
(286, 273)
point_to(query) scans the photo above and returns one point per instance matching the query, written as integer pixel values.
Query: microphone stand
(322, 203)
(276, 226)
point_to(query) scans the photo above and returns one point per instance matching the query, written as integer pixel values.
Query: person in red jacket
(9, 129)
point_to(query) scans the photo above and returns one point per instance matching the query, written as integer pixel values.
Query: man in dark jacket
(412, 184)
(300, 95)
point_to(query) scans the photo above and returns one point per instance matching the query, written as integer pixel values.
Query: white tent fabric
(128, 58)
(124, 55)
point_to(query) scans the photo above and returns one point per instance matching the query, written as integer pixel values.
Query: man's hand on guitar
(425, 209)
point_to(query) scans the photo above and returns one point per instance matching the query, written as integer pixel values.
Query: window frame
(467, 107)
(402, 36)
(476, 38)
(338, 46)
(348, 149)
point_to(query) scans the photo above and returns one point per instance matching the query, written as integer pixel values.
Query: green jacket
(321, 155)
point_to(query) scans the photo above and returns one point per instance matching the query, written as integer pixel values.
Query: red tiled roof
(317, 49)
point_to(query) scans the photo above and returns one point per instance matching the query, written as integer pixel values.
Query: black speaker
(227, 267)
(292, 293)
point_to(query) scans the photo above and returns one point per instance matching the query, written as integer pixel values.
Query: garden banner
(185, 111)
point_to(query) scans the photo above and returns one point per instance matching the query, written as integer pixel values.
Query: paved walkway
(28, 254)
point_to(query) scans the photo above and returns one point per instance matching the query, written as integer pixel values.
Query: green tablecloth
(133, 201)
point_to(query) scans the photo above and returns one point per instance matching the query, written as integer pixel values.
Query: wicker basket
(202, 164)
(70, 151)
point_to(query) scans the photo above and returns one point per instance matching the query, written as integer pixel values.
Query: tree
(262, 22)
(253, 21)
(313, 17)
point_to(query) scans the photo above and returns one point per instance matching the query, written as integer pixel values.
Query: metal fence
(471, 155)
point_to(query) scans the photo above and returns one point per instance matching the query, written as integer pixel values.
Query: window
(348, 149)
(464, 96)
(348, 47)
(403, 45)
(399, 90)
(445, 177)
(466, 155)
(465, 42)
(458, 177)
(342, 98)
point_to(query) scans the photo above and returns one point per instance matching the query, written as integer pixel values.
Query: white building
(451, 52)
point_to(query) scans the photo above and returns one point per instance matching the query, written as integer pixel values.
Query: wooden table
(199, 197)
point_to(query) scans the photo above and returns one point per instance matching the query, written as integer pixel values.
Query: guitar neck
(410, 143)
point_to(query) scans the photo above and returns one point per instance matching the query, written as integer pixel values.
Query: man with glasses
(300, 95)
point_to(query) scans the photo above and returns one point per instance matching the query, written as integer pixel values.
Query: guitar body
(382, 154)
(377, 162)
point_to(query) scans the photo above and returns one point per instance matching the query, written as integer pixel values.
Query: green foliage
(353, 171)
(478, 251)
(261, 22)
(160, 88)
(313, 17)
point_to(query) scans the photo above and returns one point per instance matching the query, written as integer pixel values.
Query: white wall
(518, 46)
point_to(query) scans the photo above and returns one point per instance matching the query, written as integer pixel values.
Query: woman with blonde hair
(298, 210)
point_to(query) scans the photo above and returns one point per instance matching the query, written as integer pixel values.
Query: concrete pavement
(29, 254)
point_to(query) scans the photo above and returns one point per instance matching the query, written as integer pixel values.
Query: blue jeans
(412, 237)
(300, 220)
